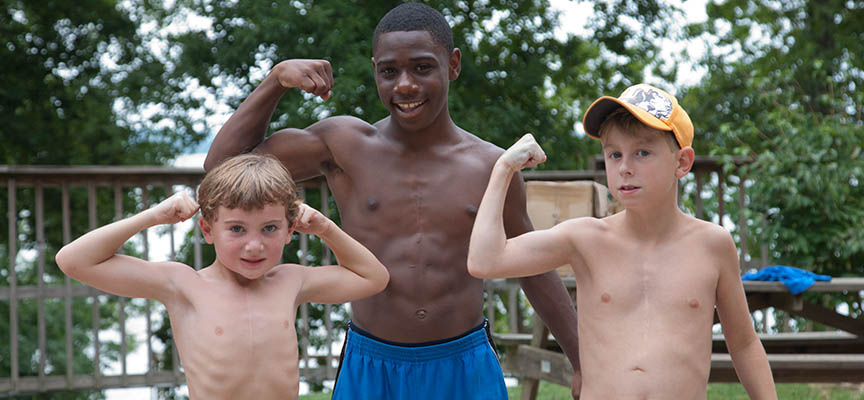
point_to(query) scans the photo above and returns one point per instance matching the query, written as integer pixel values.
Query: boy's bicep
(536, 252)
(332, 284)
(132, 277)
(301, 151)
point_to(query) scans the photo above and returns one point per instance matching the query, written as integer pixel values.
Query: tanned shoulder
(342, 125)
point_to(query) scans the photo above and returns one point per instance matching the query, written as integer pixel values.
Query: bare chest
(639, 282)
(403, 196)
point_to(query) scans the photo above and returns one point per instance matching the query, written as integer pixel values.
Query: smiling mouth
(408, 107)
(627, 188)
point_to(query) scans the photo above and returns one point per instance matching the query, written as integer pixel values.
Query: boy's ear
(455, 63)
(686, 156)
(206, 230)
(292, 229)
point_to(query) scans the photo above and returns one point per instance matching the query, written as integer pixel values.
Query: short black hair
(415, 17)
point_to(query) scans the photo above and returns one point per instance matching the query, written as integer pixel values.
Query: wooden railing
(29, 190)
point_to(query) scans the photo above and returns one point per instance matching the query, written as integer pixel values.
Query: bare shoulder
(712, 234)
(287, 272)
(586, 228)
(342, 125)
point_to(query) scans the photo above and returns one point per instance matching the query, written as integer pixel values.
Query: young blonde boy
(233, 321)
(649, 277)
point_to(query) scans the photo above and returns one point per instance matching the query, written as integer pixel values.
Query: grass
(716, 391)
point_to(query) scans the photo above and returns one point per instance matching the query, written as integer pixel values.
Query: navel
(606, 298)
(420, 314)
(218, 331)
(372, 204)
(693, 303)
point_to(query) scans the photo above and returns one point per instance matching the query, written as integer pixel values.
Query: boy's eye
(643, 153)
(270, 228)
(387, 71)
(424, 67)
(236, 229)
(615, 155)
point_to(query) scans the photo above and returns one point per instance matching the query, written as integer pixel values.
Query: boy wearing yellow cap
(649, 277)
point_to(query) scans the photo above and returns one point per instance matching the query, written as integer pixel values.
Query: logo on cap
(650, 100)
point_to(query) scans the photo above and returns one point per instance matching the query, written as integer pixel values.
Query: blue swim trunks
(462, 368)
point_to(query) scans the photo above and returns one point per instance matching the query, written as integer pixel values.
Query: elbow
(210, 162)
(64, 261)
(384, 281)
(478, 269)
(378, 281)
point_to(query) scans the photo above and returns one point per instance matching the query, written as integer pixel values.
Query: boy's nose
(405, 83)
(254, 245)
(624, 168)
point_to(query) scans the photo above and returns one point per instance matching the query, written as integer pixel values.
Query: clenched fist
(310, 221)
(525, 153)
(312, 76)
(174, 209)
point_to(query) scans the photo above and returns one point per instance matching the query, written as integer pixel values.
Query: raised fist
(312, 76)
(310, 221)
(524, 153)
(174, 209)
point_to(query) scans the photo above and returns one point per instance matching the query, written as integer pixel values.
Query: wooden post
(539, 339)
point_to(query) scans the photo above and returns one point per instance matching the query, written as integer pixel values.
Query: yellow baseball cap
(652, 106)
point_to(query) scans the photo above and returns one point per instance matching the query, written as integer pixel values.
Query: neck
(443, 130)
(652, 224)
(219, 271)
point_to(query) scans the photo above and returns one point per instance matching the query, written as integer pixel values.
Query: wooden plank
(30, 385)
(791, 342)
(814, 368)
(834, 286)
(533, 363)
(530, 362)
(830, 317)
(539, 339)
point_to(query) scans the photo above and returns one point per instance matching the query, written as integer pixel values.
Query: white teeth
(410, 105)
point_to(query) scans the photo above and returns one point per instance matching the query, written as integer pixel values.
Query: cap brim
(602, 107)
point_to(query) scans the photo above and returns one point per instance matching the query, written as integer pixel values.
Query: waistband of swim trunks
(361, 342)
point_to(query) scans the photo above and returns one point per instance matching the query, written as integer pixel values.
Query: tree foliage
(783, 90)
(79, 74)
(517, 75)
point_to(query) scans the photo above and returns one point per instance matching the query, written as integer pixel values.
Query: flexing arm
(245, 130)
(91, 258)
(492, 254)
(748, 355)
(358, 275)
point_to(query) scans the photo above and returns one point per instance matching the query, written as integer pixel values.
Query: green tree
(517, 75)
(77, 78)
(783, 91)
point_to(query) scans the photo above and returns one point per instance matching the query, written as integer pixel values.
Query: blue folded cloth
(796, 280)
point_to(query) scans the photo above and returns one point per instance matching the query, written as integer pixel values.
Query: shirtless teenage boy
(648, 278)
(234, 320)
(408, 188)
